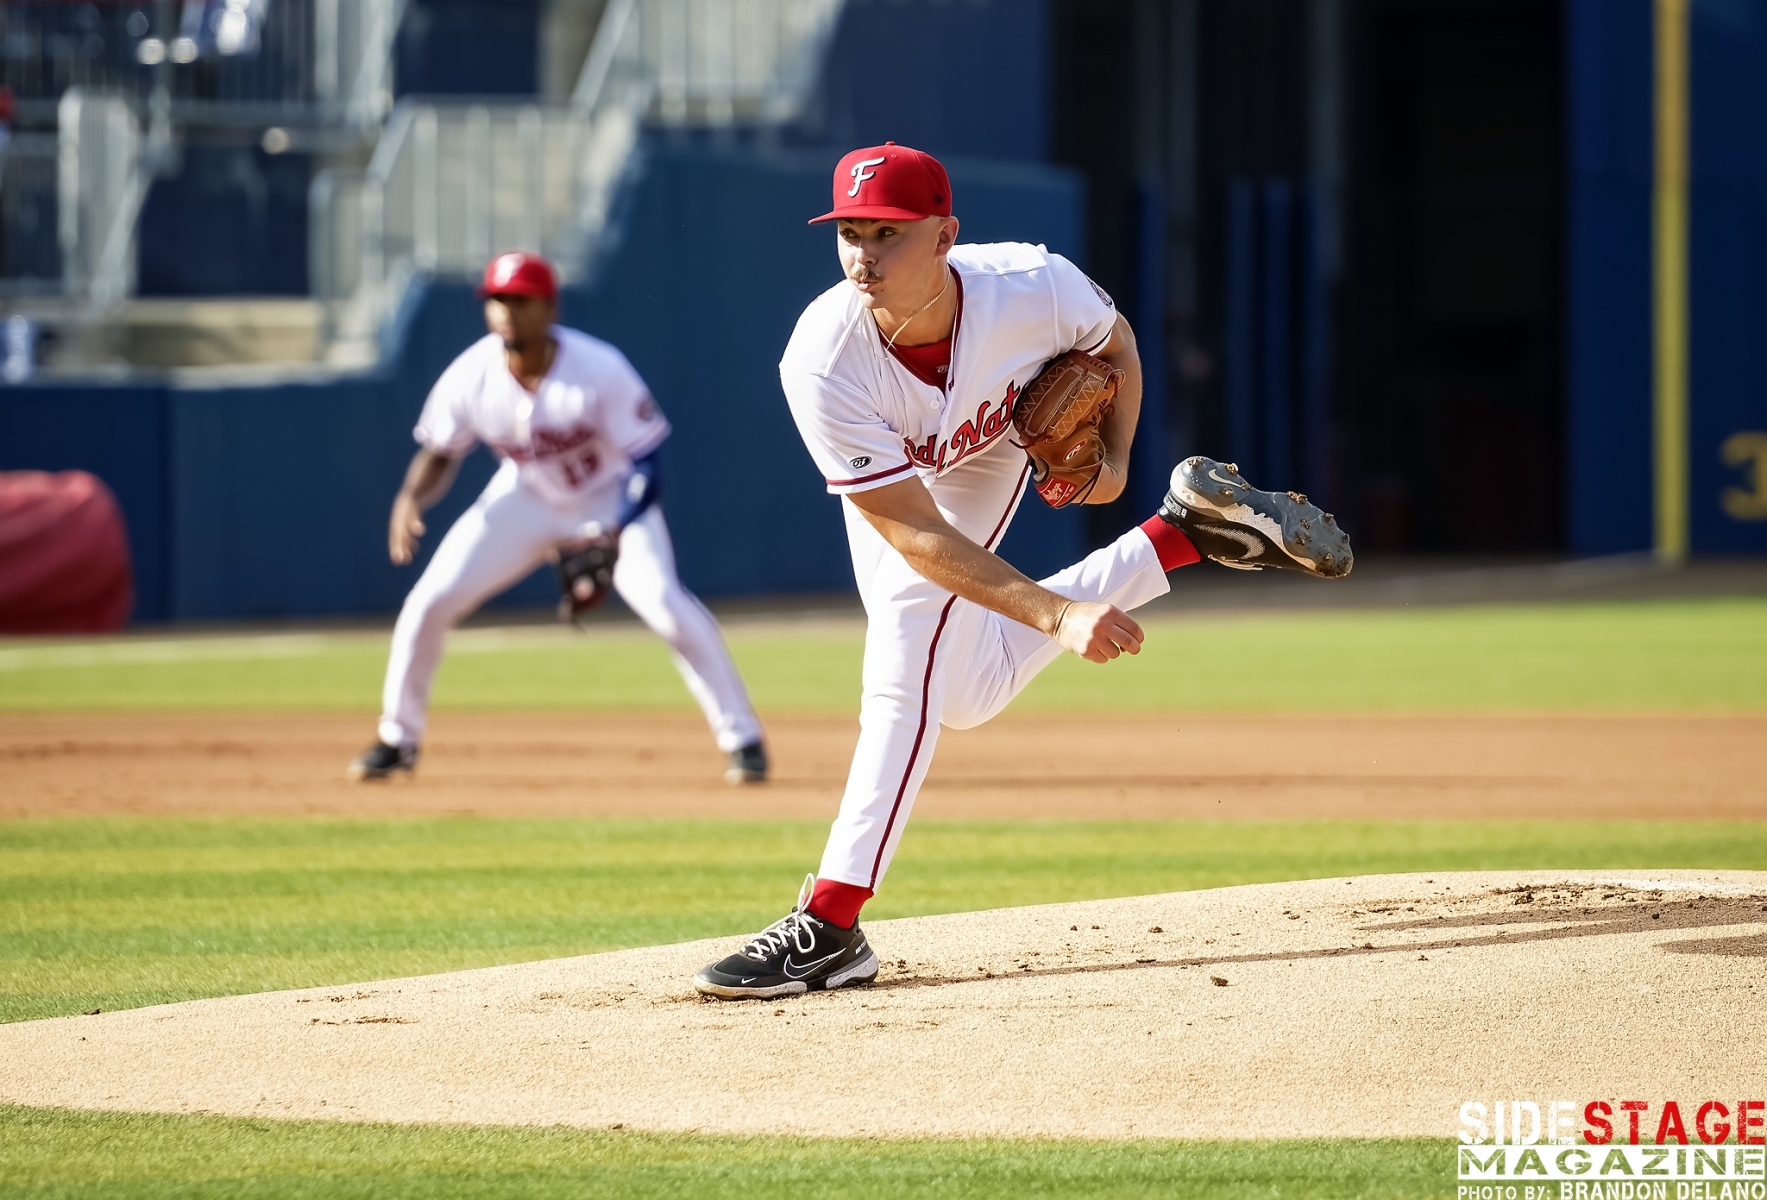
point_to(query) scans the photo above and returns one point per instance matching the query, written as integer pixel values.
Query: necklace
(891, 344)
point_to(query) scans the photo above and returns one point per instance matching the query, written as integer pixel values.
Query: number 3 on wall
(1749, 450)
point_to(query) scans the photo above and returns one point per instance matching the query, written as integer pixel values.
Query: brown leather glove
(1057, 417)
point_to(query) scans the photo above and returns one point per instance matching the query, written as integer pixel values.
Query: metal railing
(353, 56)
(710, 62)
(105, 92)
(101, 182)
(451, 184)
(307, 61)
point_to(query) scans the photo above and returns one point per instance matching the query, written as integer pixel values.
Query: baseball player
(579, 435)
(918, 383)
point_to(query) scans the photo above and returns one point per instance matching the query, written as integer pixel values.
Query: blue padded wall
(1607, 355)
(1727, 273)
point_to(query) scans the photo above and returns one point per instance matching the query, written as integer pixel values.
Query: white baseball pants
(933, 659)
(505, 534)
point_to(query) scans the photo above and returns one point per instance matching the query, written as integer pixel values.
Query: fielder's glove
(1056, 418)
(586, 573)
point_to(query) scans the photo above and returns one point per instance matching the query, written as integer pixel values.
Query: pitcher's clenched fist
(1097, 632)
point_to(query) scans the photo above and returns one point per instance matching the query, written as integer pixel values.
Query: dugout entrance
(1355, 262)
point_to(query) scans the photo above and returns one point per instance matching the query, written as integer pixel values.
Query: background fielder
(903, 381)
(579, 434)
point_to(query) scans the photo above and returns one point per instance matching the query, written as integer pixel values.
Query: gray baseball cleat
(380, 761)
(1232, 522)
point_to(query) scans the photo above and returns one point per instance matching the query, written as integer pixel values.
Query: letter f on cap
(860, 174)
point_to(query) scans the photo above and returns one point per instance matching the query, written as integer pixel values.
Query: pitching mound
(1370, 1006)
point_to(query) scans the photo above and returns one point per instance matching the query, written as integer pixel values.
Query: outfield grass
(117, 913)
(1701, 655)
(57, 1153)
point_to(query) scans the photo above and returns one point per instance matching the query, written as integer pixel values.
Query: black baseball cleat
(747, 765)
(798, 953)
(381, 761)
(1232, 522)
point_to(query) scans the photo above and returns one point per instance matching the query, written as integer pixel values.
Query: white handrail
(371, 90)
(101, 183)
(450, 184)
(608, 37)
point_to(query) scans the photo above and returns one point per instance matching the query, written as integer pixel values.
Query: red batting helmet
(889, 183)
(519, 274)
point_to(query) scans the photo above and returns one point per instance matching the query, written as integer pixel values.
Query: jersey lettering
(549, 443)
(971, 437)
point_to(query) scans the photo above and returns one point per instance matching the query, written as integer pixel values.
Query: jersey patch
(1102, 294)
(860, 463)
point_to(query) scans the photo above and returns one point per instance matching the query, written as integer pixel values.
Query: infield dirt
(1363, 1007)
(1072, 766)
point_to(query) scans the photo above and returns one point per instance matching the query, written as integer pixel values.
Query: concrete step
(228, 331)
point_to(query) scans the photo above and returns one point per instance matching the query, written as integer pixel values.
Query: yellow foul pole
(1669, 281)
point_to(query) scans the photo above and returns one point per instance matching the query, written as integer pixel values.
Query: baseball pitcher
(932, 387)
(579, 435)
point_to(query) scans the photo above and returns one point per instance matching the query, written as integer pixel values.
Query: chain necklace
(891, 344)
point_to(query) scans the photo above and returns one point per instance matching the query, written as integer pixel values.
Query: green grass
(56, 1153)
(1696, 655)
(121, 912)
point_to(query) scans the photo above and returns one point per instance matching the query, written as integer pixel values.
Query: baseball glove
(586, 574)
(1056, 418)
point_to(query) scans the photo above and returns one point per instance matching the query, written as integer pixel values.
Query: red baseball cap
(889, 183)
(519, 274)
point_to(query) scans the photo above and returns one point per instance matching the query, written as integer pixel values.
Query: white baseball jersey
(574, 439)
(868, 421)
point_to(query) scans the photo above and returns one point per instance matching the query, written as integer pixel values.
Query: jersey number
(580, 469)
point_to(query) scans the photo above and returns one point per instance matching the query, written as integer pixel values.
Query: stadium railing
(452, 183)
(107, 92)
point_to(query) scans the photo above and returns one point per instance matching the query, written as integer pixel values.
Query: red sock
(837, 903)
(1170, 544)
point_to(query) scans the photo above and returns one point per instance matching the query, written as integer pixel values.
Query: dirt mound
(1369, 1006)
